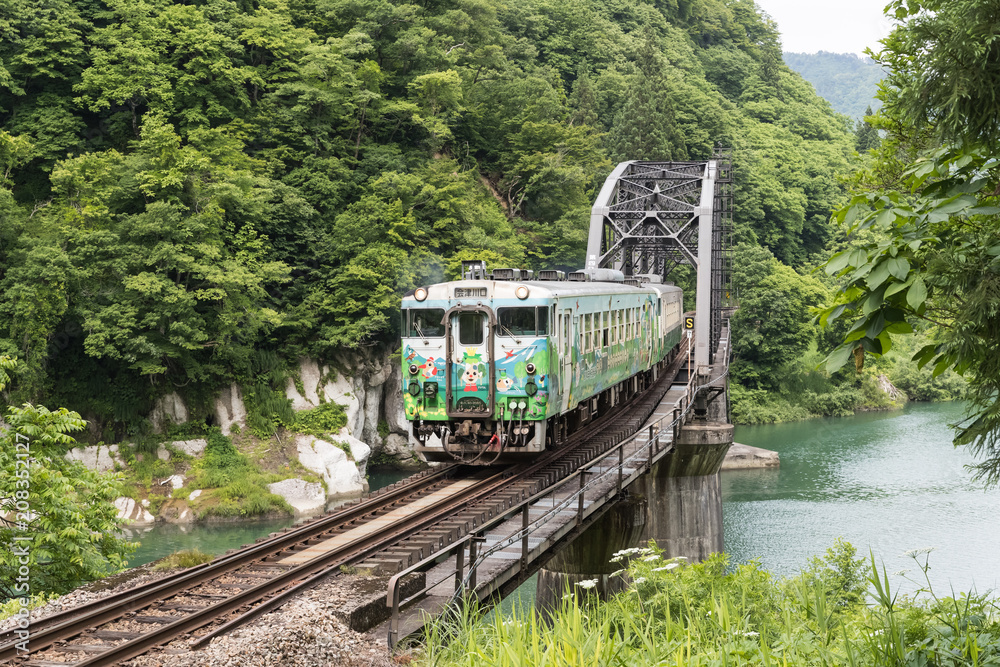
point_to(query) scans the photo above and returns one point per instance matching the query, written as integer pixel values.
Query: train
(501, 365)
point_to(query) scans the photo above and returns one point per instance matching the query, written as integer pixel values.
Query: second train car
(499, 366)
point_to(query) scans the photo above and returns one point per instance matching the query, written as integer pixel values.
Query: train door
(469, 377)
(566, 355)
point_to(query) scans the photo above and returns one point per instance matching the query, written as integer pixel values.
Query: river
(889, 482)
(163, 539)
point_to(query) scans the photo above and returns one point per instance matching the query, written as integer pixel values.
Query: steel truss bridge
(652, 217)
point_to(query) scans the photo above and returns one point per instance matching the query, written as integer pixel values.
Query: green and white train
(499, 366)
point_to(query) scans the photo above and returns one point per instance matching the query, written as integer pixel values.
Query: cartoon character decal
(428, 369)
(504, 383)
(471, 376)
(431, 369)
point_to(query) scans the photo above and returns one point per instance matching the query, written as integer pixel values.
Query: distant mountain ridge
(848, 82)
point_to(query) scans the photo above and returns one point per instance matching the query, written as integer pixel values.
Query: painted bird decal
(430, 370)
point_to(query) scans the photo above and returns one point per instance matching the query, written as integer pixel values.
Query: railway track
(387, 531)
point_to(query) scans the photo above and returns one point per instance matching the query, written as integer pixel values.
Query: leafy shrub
(221, 464)
(239, 486)
(759, 406)
(319, 421)
(837, 403)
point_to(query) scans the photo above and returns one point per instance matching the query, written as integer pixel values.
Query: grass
(186, 558)
(236, 487)
(839, 611)
(13, 605)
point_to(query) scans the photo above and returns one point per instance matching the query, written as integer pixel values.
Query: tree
(646, 128)
(57, 517)
(773, 324)
(865, 136)
(934, 254)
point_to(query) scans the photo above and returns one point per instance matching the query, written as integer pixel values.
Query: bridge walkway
(512, 547)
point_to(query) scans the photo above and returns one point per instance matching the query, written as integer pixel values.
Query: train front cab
(462, 401)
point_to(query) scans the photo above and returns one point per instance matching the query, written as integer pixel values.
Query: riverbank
(708, 614)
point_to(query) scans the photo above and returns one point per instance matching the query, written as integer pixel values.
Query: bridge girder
(651, 217)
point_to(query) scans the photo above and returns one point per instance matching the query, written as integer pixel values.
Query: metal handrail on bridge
(468, 582)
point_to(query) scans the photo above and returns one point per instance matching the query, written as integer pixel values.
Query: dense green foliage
(846, 81)
(58, 521)
(323, 420)
(193, 194)
(838, 611)
(924, 249)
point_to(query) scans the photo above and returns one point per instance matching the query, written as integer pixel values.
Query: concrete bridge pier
(684, 500)
(589, 556)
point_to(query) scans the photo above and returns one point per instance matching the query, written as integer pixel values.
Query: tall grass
(840, 610)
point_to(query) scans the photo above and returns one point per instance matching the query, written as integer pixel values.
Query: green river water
(890, 482)
(163, 539)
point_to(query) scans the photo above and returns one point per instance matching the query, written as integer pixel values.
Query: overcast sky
(842, 26)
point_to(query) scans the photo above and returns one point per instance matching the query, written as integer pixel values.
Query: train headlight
(530, 389)
(413, 369)
(420, 294)
(522, 405)
(530, 369)
(414, 389)
(521, 292)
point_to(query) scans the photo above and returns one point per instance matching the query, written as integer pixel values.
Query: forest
(848, 82)
(197, 193)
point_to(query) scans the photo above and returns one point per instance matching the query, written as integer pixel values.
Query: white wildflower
(653, 557)
(640, 580)
(617, 573)
(913, 553)
(587, 583)
(900, 573)
(625, 553)
(568, 596)
(668, 566)
(750, 633)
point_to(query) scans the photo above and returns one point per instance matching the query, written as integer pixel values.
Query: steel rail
(309, 572)
(55, 627)
(525, 474)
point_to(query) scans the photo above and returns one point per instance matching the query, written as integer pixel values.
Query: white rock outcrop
(304, 497)
(169, 409)
(370, 395)
(194, 494)
(360, 452)
(341, 475)
(101, 458)
(132, 511)
(190, 447)
(175, 481)
(229, 409)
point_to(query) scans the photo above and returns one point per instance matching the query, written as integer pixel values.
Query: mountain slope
(846, 81)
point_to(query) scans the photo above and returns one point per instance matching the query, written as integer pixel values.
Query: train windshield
(529, 321)
(425, 322)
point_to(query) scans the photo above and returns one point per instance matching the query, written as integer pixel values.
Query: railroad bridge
(649, 471)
